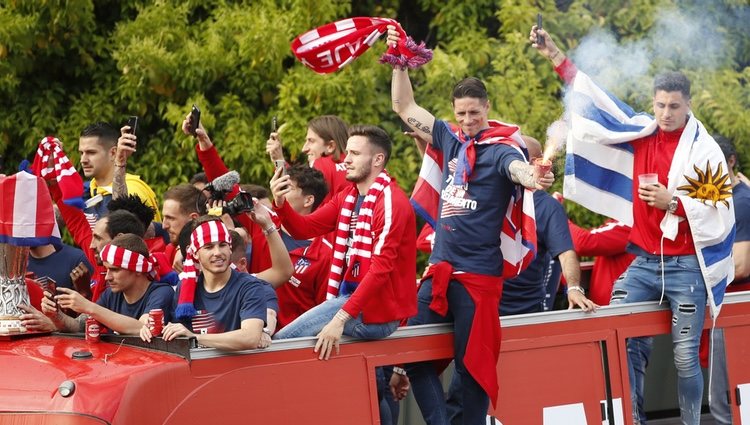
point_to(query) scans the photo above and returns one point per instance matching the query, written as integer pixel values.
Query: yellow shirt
(136, 187)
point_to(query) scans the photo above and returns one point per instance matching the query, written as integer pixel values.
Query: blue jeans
(311, 322)
(720, 409)
(685, 291)
(389, 407)
(426, 386)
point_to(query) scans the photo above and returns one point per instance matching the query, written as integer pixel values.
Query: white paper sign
(568, 414)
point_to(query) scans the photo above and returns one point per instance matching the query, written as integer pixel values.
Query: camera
(241, 203)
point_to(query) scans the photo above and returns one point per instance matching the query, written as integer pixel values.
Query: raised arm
(402, 98)
(281, 265)
(126, 145)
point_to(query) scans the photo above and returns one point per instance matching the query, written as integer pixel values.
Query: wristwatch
(672, 205)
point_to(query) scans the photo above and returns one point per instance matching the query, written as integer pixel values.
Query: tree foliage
(65, 64)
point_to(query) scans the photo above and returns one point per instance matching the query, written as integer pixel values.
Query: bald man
(529, 292)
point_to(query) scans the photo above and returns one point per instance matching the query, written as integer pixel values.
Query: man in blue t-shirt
(47, 261)
(527, 292)
(130, 295)
(483, 163)
(718, 403)
(221, 307)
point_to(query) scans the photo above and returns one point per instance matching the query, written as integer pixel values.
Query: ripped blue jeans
(685, 291)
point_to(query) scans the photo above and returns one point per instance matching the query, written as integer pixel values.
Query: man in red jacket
(371, 286)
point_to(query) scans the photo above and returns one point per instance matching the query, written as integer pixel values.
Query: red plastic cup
(156, 321)
(647, 179)
(542, 166)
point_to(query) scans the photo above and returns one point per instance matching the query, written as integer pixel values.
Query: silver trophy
(13, 291)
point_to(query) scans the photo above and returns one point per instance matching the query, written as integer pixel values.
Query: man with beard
(371, 285)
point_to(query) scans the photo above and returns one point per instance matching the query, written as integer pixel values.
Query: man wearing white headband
(221, 307)
(131, 292)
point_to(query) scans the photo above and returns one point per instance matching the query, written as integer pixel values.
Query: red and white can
(156, 321)
(93, 330)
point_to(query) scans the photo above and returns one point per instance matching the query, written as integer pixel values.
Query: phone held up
(280, 163)
(274, 126)
(539, 38)
(195, 119)
(133, 124)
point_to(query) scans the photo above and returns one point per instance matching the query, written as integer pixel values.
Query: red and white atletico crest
(301, 266)
(26, 215)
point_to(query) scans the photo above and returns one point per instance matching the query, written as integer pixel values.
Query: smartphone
(195, 119)
(133, 124)
(280, 163)
(273, 124)
(48, 284)
(539, 38)
(406, 127)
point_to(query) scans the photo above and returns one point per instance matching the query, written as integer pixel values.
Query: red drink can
(156, 321)
(92, 330)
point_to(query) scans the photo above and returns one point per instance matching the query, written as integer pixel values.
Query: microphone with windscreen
(222, 185)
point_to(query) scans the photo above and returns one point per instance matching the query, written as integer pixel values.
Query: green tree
(64, 64)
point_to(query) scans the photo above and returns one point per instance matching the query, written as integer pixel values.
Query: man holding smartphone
(98, 146)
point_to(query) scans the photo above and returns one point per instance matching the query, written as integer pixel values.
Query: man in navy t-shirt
(527, 292)
(219, 306)
(483, 164)
(57, 263)
(130, 293)
(718, 403)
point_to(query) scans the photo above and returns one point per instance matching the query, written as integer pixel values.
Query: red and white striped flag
(26, 214)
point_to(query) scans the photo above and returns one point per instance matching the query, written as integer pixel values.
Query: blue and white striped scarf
(599, 176)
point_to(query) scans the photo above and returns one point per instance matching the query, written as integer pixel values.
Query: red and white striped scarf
(361, 250)
(332, 46)
(126, 259)
(207, 232)
(62, 170)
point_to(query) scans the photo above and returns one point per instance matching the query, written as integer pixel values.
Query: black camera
(242, 203)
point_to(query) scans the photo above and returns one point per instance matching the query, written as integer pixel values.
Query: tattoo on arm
(119, 188)
(418, 125)
(522, 173)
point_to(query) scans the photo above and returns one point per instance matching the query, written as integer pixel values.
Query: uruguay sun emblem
(709, 187)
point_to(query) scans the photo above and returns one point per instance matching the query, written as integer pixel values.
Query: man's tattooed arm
(522, 173)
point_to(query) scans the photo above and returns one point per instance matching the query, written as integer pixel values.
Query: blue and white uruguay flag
(599, 176)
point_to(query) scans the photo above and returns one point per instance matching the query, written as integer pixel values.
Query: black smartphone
(405, 127)
(133, 124)
(274, 123)
(195, 119)
(539, 38)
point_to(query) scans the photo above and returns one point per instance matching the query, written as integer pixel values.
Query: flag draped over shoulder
(599, 176)
(518, 234)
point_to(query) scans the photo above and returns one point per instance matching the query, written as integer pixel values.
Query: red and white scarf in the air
(361, 250)
(207, 232)
(62, 170)
(332, 46)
